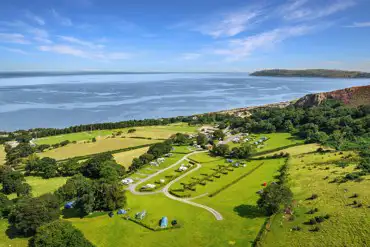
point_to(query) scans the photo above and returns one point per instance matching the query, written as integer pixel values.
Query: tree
(146, 158)
(48, 167)
(5, 205)
(30, 213)
(59, 233)
(219, 135)
(202, 139)
(23, 189)
(273, 196)
(180, 139)
(69, 168)
(242, 152)
(159, 149)
(11, 180)
(91, 168)
(221, 150)
(109, 196)
(93, 139)
(32, 163)
(131, 131)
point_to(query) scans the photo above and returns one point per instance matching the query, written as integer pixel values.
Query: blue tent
(164, 222)
(121, 211)
(230, 160)
(69, 205)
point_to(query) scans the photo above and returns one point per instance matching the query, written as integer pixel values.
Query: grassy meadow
(101, 145)
(155, 132)
(125, 158)
(2, 155)
(348, 225)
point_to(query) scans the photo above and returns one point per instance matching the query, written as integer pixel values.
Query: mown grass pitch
(155, 132)
(101, 145)
(348, 225)
(42, 186)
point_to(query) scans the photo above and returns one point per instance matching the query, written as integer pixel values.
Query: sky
(184, 36)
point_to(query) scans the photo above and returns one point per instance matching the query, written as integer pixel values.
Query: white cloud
(40, 35)
(229, 24)
(13, 38)
(81, 42)
(19, 51)
(77, 52)
(61, 19)
(35, 18)
(297, 10)
(190, 56)
(360, 24)
(241, 48)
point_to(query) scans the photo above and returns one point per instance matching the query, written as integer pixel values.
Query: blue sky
(167, 35)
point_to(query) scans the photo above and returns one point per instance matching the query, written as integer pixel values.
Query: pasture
(125, 158)
(348, 225)
(2, 155)
(154, 132)
(42, 186)
(101, 145)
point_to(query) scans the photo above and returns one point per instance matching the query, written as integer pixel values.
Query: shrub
(315, 229)
(296, 228)
(319, 219)
(327, 216)
(312, 221)
(313, 197)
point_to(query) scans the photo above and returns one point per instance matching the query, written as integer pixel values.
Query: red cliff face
(353, 96)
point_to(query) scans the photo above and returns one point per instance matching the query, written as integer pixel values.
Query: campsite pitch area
(101, 145)
(278, 140)
(237, 204)
(348, 225)
(155, 132)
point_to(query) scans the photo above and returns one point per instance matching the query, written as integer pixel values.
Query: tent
(69, 205)
(164, 222)
(121, 211)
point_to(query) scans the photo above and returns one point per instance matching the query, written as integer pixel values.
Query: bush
(326, 216)
(313, 197)
(296, 228)
(315, 229)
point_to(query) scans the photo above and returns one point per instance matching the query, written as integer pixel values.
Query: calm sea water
(61, 101)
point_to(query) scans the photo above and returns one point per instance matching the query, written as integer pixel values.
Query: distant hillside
(353, 96)
(312, 73)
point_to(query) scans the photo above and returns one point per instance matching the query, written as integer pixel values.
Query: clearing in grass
(349, 219)
(101, 145)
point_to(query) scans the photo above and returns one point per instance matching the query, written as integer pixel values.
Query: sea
(61, 100)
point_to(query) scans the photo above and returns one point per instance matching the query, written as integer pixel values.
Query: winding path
(132, 187)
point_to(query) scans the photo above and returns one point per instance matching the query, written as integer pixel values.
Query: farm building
(164, 222)
(127, 181)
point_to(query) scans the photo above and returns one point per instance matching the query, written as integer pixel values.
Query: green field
(199, 228)
(2, 155)
(348, 225)
(277, 140)
(42, 186)
(155, 132)
(297, 150)
(101, 145)
(218, 183)
(125, 158)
